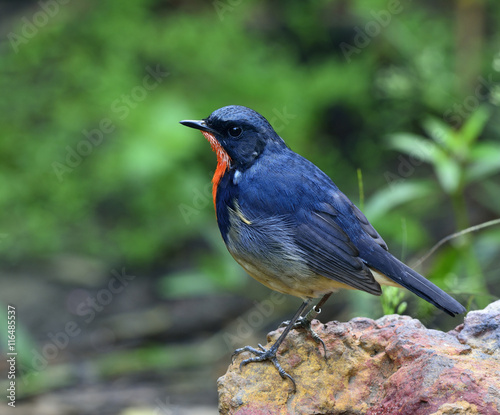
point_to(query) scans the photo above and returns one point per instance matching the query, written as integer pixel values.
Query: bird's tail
(403, 275)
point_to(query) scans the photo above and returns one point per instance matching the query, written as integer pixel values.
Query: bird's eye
(235, 131)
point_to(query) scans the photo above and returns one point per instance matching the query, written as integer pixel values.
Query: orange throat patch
(223, 162)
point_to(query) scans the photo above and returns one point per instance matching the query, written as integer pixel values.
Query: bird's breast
(265, 248)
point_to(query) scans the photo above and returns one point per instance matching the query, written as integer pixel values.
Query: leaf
(485, 161)
(397, 194)
(413, 145)
(474, 125)
(402, 307)
(441, 133)
(448, 173)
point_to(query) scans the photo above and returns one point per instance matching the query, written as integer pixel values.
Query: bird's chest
(257, 220)
(255, 208)
(261, 242)
(238, 205)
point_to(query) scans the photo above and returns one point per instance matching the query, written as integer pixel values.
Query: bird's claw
(305, 323)
(247, 349)
(262, 355)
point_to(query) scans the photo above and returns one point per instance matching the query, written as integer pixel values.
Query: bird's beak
(199, 125)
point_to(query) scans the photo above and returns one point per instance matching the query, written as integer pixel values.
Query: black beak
(199, 125)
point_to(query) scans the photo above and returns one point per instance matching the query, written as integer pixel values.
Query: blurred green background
(127, 301)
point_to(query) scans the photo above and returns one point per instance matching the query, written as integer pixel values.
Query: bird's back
(283, 216)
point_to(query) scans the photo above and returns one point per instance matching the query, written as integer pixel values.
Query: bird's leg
(270, 354)
(305, 322)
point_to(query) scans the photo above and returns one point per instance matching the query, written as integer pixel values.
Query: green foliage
(93, 160)
(459, 160)
(392, 301)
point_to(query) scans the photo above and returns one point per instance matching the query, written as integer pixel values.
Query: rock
(457, 408)
(393, 365)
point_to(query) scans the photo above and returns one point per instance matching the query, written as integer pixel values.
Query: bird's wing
(368, 228)
(330, 252)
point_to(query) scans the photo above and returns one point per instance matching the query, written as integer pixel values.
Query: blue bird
(291, 228)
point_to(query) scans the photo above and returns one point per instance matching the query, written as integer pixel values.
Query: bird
(291, 228)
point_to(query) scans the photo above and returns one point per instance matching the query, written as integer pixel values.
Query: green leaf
(448, 173)
(397, 194)
(413, 145)
(474, 125)
(391, 300)
(440, 132)
(485, 161)
(402, 307)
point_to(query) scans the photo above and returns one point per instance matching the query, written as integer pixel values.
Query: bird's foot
(305, 323)
(262, 355)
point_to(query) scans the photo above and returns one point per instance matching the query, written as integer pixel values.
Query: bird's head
(237, 134)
